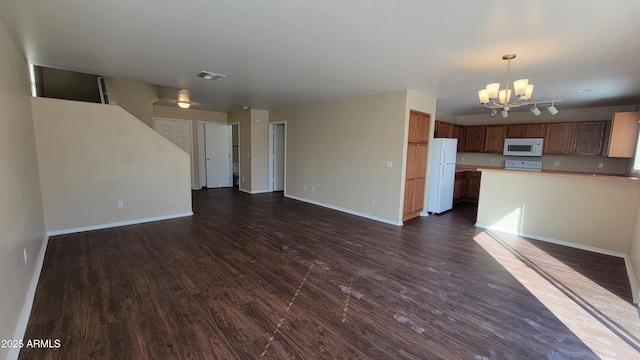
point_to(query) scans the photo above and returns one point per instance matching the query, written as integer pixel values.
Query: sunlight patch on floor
(573, 310)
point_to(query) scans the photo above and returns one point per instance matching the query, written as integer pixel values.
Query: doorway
(215, 155)
(179, 133)
(277, 156)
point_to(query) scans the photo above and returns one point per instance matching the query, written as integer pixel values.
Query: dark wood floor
(262, 276)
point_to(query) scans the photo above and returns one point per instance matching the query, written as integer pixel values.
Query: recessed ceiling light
(245, 108)
(208, 75)
(583, 91)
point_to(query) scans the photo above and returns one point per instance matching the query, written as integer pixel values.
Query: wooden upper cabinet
(516, 131)
(557, 139)
(446, 130)
(588, 138)
(535, 130)
(624, 134)
(418, 127)
(474, 138)
(494, 138)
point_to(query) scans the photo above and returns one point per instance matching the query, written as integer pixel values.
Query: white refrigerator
(442, 169)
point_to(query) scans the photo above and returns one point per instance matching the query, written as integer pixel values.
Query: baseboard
(632, 280)
(23, 321)
(254, 192)
(118, 223)
(348, 211)
(556, 241)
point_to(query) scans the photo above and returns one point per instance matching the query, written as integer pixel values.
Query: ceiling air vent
(207, 75)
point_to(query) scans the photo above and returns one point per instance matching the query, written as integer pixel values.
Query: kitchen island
(585, 211)
(595, 212)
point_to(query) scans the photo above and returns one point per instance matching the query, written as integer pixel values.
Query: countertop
(574, 174)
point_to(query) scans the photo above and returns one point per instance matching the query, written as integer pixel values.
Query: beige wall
(634, 257)
(21, 222)
(589, 212)
(93, 155)
(160, 111)
(135, 97)
(259, 150)
(340, 149)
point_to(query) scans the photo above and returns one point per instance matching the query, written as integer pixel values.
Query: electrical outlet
(304, 187)
(461, 158)
(120, 204)
(373, 201)
(557, 163)
(493, 160)
(600, 165)
(26, 256)
(313, 188)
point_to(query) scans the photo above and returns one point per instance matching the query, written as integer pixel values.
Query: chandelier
(495, 99)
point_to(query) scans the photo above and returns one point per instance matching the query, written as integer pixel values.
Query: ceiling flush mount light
(184, 104)
(208, 75)
(493, 98)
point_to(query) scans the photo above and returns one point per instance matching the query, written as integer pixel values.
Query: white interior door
(218, 155)
(179, 133)
(278, 157)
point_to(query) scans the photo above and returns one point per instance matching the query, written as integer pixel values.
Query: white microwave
(523, 147)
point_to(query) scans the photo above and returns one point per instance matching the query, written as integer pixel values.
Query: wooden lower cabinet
(459, 186)
(466, 186)
(473, 185)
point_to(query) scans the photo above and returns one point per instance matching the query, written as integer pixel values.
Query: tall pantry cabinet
(415, 179)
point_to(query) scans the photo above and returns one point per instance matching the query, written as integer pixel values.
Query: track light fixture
(493, 113)
(535, 111)
(493, 98)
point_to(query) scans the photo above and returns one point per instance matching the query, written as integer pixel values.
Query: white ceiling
(280, 53)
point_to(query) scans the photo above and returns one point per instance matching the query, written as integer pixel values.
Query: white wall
(21, 219)
(93, 155)
(339, 149)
